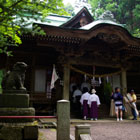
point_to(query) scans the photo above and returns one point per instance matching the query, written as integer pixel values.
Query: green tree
(124, 11)
(15, 15)
(69, 9)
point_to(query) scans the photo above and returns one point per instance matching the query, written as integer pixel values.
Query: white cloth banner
(54, 77)
(100, 81)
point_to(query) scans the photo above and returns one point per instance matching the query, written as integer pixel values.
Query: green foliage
(107, 15)
(107, 92)
(124, 11)
(137, 33)
(15, 15)
(69, 9)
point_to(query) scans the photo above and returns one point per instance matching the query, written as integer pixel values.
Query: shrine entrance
(102, 81)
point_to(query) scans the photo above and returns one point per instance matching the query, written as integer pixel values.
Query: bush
(107, 93)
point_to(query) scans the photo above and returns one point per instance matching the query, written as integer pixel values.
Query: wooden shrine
(104, 44)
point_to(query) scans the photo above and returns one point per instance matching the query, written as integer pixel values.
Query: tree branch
(13, 5)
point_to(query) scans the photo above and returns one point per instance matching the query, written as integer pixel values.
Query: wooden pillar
(124, 92)
(124, 81)
(66, 82)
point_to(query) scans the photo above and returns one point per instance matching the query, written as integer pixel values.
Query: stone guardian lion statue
(14, 80)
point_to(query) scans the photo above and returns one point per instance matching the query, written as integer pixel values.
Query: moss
(17, 112)
(11, 133)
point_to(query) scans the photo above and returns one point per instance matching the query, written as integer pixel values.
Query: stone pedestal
(11, 133)
(17, 128)
(17, 112)
(15, 131)
(15, 105)
(14, 100)
(30, 132)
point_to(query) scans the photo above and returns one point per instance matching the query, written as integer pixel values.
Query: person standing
(77, 94)
(85, 85)
(118, 99)
(133, 102)
(76, 100)
(94, 103)
(84, 103)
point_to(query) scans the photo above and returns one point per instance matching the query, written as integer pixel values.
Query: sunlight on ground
(41, 136)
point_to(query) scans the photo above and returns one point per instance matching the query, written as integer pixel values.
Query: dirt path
(104, 131)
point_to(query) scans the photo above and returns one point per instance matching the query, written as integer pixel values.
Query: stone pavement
(102, 130)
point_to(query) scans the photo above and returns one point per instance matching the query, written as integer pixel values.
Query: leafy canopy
(125, 12)
(15, 15)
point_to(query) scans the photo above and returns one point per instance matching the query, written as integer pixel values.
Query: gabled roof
(87, 32)
(74, 21)
(103, 43)
(54, 20)
(99, 22)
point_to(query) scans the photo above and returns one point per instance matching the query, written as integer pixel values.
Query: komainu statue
(14, 80)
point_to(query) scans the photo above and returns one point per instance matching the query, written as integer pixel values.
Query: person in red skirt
(94, 103)
(84, 103)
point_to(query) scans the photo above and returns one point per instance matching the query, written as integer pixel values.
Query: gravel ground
(104, 131)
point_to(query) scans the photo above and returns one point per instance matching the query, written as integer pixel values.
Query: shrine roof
(54, 28)
(100, 22)
(60, 20)
(72, 22)
(54, 20)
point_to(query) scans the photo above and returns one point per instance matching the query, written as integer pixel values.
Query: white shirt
(87, 85)
(71, 86)
(85, 96)
(77, 92)
(94, 98)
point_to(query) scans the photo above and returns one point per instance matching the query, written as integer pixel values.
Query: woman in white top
(93, 102)
(84, 103)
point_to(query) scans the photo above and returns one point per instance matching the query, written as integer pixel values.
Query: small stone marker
(81, 129)
(63, 120)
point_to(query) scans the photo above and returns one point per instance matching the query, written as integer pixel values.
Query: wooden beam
(95, 61)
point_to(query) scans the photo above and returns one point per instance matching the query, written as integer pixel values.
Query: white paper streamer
(107, 79)
(100, 81)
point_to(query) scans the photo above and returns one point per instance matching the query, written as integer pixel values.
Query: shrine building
(79, 46)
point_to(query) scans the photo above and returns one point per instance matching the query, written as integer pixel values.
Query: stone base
(11, 133)
(21, 132)
(17, 112)
(30, 132)
(14, 100)
(14, 91)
